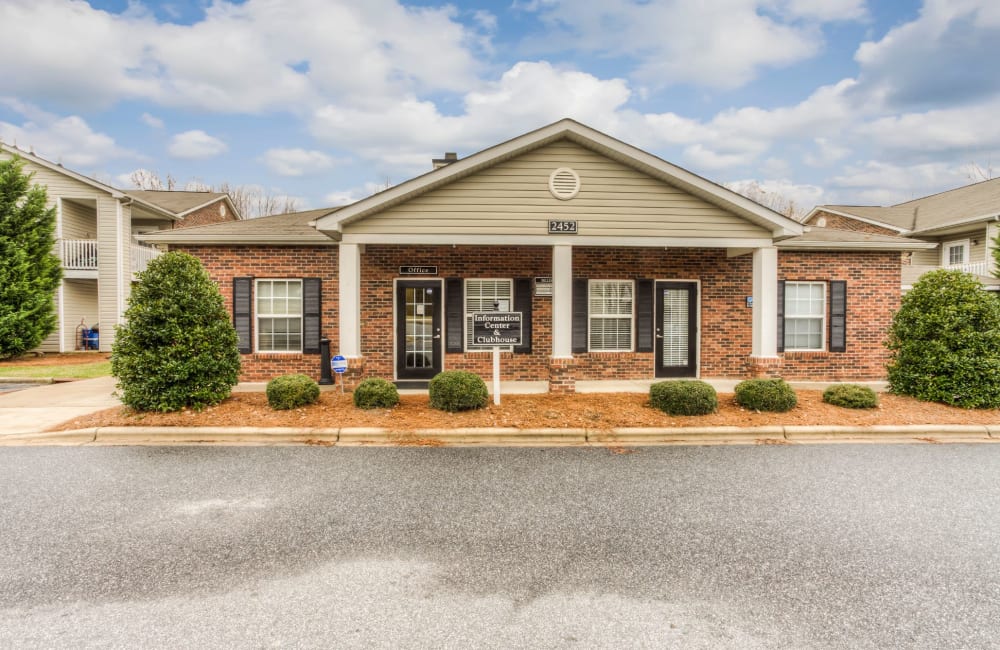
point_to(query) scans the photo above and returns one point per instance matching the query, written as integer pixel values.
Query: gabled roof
(291, 228)
(832, 239)
(780, 226)
(182, 202)
(967, 204)
(57, 167)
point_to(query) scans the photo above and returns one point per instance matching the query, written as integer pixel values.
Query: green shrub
(458, 390)
(945, 342)
(177, 347)
(851, 396)
(766, 395)
(291, 391)
(374, 393)
(683, 397)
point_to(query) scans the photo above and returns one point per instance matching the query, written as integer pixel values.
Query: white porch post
(562, 301)
(765, 303)
(350, 300)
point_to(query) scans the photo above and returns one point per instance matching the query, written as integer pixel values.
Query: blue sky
(822, 101)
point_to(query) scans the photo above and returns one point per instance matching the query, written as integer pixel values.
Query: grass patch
(68, 371)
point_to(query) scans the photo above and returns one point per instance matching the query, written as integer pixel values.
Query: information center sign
(494, 328)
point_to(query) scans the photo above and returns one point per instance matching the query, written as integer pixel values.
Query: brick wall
(206, 215)
(840, 222)
(224, 263)
(725, 322)
(873, 294)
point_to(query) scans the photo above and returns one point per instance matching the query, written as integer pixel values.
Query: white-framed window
(805, 316)
(610, 315)
(486, 295)
(954, 253)
(279, 315)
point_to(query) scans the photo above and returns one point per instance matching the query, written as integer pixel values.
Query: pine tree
(29, 269)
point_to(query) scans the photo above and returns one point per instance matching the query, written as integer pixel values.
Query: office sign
(418, 270)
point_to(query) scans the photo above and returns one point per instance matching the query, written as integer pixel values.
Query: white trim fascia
(62, 318)
(280, 240)
(867, 220)
(27, 155)
(780, 225)
(554, 240)
(849, 246)
(960, 222)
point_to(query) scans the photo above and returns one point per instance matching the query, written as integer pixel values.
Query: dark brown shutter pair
(837, 317)
(643, 315)
(311, 314)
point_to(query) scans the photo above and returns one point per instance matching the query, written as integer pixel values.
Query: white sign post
(496, 328)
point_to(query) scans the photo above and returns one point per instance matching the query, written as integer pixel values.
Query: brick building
(622, 266)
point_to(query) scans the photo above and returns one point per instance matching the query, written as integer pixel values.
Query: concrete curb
(27, 380)
(507, 436)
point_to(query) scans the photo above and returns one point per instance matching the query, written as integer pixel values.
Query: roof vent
(564, 183)
(449, 157)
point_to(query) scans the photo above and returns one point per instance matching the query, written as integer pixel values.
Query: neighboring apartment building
(962, 223)
(96, 225)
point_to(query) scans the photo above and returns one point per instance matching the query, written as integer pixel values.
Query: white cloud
(348, 196)
(151, 121)
(781, 193)
(196, 145)
(296, 162)
(716, 44)
(296, 51)
(68, 139)
(884, 183)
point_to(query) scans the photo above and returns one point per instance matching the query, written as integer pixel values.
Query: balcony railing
(78, 254)
(142, 256)
(975, 268)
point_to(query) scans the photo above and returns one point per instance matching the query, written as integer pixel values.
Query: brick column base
(764, 367)
(355, 373)
(561, 376)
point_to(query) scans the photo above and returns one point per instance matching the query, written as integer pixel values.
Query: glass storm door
(418, 329)
(676, 329)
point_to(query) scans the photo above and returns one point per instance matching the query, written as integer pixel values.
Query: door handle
(436, 336)
(659, 336)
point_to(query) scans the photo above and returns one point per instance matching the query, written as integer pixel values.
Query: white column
(562, 301)
(350, 300)
(765, 302)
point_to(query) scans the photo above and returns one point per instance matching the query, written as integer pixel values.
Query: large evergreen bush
(457, 390)
(683, 397)
(945, 342)
(376, 393)
(765, 395)
(177, 347)
(29, 270)
(291, 391)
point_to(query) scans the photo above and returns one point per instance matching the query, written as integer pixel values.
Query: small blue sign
(749, 301)
(339, 364)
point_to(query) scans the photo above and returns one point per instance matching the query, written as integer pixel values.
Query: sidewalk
(26, 414)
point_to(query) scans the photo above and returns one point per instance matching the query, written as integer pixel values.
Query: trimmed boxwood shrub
(766, 395)
(683, 397)
(458, 390)
(291, 391)
(851, 396)
(177, 347)
(375, 393)
(945, 342)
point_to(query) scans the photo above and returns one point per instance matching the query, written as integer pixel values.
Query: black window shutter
(838, 316)
(454, 302)
(781, 315)
(243, 313)
(522, 303)
(580, 313)
(643, 315)
(311, 314)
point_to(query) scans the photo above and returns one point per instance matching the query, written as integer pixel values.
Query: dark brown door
(418, 329)
(676, 329)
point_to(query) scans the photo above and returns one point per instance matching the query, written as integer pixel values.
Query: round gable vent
(564, 183)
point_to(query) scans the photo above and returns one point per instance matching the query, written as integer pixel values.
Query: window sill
(276, 355)
(799, 354)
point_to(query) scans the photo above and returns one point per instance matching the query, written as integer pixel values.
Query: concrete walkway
(40, 407)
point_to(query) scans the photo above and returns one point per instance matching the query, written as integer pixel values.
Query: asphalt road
(838, 546)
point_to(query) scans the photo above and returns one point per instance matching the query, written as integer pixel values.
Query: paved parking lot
(837, 546)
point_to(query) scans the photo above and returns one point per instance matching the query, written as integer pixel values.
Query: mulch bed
(592, 411)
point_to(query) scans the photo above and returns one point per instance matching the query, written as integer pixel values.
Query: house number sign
(418, 270)
(559, 227)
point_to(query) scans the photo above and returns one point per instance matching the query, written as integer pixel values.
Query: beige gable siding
(512, 198)
(977, 248)
(58, 184)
